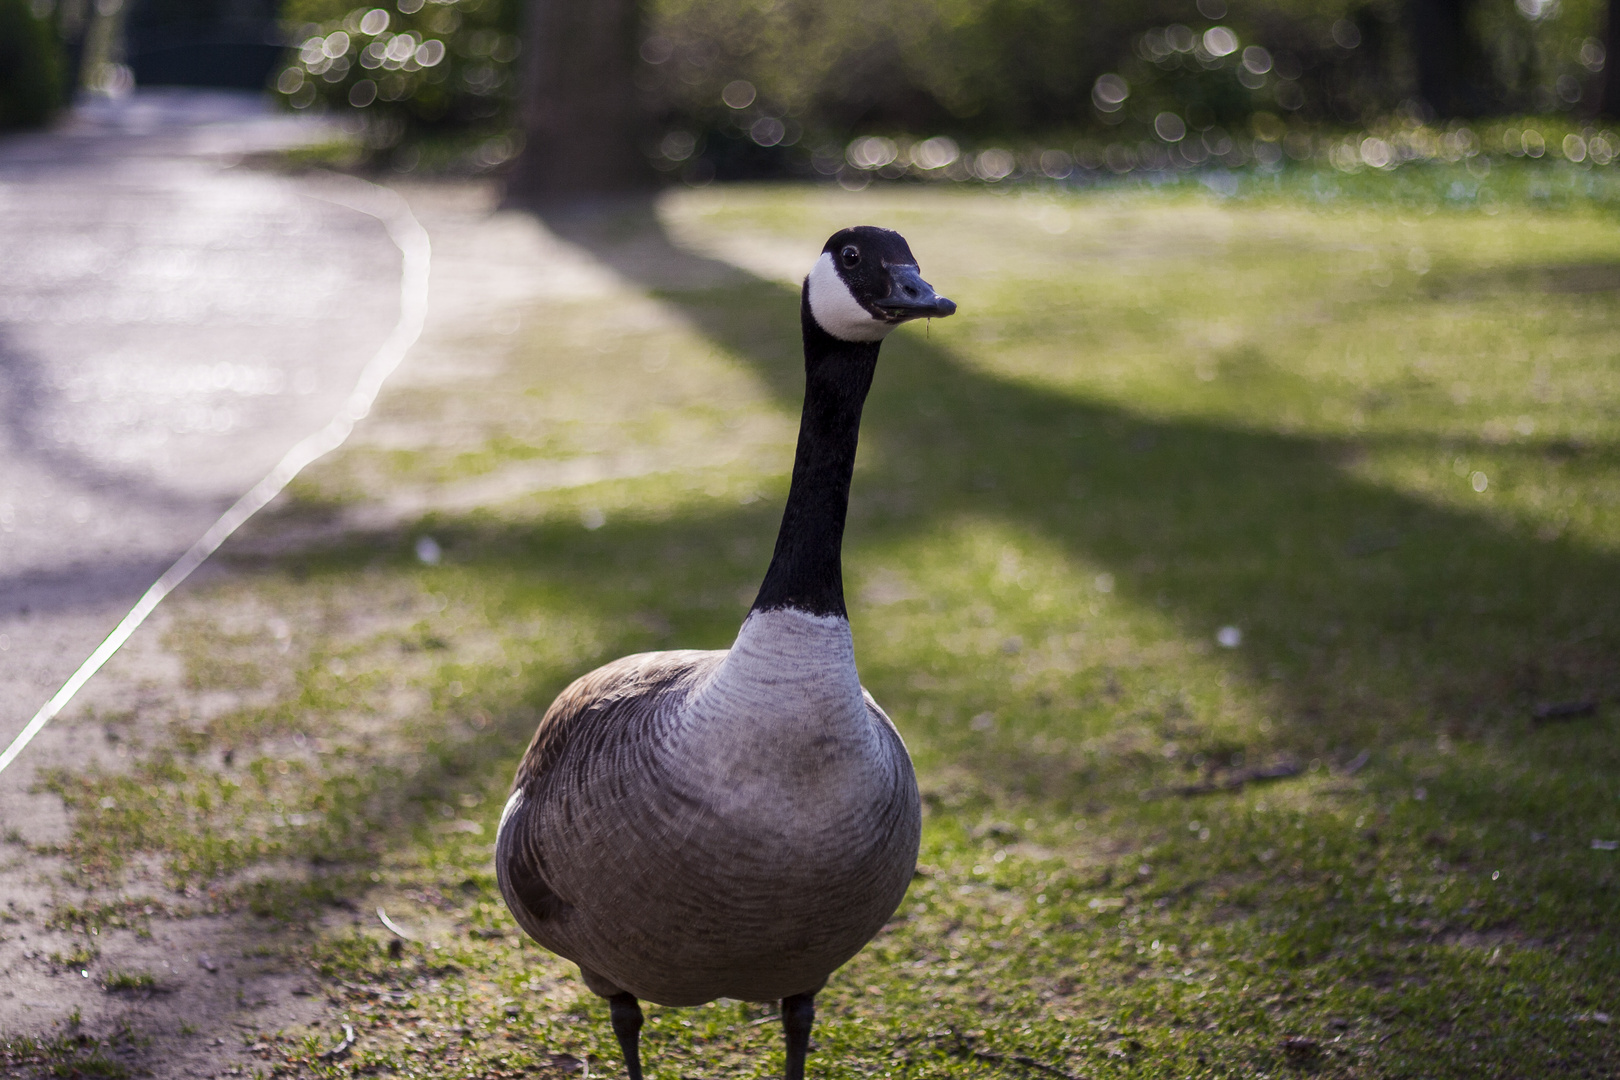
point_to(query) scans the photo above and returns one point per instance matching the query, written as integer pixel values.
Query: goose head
(866, 283)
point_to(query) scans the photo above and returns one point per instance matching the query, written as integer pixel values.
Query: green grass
(1374, 434)
(139, 982)
(70, 1053)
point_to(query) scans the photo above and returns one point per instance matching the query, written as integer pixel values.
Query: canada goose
(687, 826)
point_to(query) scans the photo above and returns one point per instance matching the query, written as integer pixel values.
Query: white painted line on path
(412, 240)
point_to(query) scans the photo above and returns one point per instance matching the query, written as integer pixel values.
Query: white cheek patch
(835, 310)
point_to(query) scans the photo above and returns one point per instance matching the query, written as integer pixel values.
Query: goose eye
(851, 256)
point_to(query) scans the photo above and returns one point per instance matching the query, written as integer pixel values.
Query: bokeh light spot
(994, 165)
(430, 53)
(678, 145)
(1169, 127)
(1109, 92)
(935, 153)
(871, 152)
(1057, 164)
(1220, 41)
(657, 50)
(1376, 152)
(767, 131)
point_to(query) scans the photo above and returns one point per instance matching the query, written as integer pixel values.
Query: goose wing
(598, 714)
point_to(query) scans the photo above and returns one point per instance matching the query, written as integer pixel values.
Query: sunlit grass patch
(1244, 585)
(76, 957)
(573, 399)
(120, 982)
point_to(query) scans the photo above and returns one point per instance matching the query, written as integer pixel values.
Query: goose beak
(910, 297)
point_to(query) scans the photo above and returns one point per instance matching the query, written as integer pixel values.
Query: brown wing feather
(599, 695)
(592, 709)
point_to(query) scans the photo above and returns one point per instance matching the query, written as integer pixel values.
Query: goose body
(764, 855)
(693, 825)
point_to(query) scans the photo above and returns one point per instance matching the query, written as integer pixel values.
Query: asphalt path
(170, 325)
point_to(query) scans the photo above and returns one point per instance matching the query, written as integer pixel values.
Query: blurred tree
(1609, 92)
(70, 22)
(583, 124)
(1539, 56)
(30, 67)
(1448, 57)
(228, 43)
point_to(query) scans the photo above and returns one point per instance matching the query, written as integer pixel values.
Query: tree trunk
(581, 121)
(1445, 52)
(1609, 96)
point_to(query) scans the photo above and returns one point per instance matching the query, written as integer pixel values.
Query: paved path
(169, 326)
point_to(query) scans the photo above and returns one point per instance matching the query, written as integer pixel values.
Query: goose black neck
(806, 571)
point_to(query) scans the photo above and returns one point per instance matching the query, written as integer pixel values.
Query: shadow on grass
(1369, 617)
(1371, 612)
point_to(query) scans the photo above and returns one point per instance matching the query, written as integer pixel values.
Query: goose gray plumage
(687, 826)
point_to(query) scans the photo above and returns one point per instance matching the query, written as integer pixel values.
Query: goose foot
(798, 1015)
(626, 1012)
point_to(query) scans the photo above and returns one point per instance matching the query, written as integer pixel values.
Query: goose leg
(798, 1014)
(626, 1011)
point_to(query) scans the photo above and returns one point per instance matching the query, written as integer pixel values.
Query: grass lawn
(1214, 562)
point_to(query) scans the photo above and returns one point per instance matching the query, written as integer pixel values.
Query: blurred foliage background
(420, 74)
(758, 88)
(750, 88)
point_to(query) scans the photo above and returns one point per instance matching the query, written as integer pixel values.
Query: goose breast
(682, 848)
